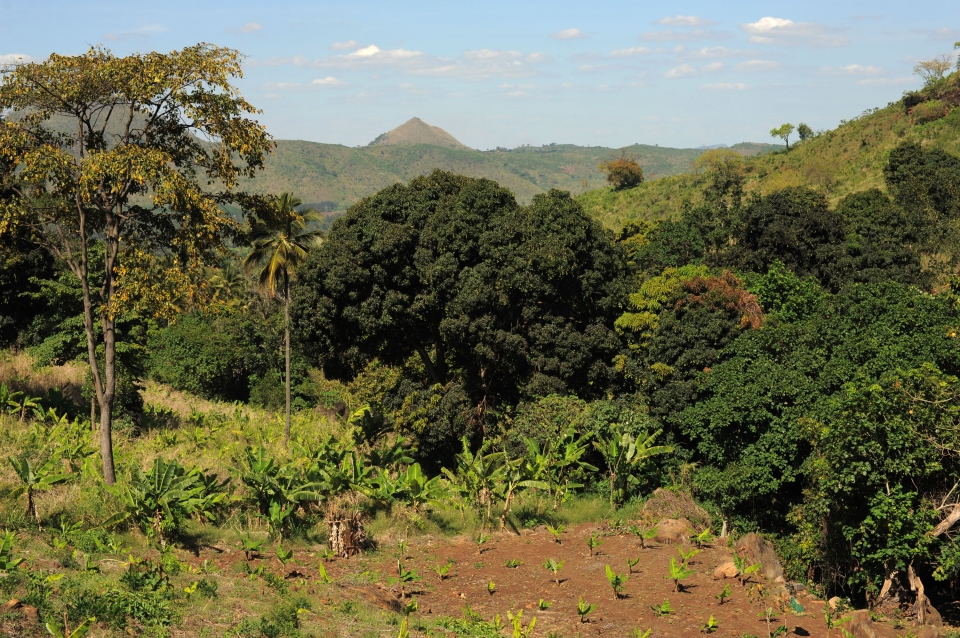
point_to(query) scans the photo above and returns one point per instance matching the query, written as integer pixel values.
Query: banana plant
(77, 632)
(625, 456)
(35, 479)
(8, 561)
(477, 476)
(158, 500)
(9, 399)
(514, 476)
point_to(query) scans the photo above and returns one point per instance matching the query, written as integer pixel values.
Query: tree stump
(347, 536)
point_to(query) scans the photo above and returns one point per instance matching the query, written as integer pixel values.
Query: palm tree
(280, 243)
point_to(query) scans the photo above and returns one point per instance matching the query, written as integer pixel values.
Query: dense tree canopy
(499, 300)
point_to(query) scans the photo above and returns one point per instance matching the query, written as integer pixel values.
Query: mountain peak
(416, 131)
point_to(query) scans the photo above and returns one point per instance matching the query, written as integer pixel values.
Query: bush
(930, 111)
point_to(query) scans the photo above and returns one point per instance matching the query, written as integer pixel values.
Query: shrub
(930, 111)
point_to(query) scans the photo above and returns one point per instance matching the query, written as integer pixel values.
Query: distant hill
(847, 159)
(416, 131)
(332, 177)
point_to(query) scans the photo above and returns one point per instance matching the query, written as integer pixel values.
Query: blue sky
(498, 73)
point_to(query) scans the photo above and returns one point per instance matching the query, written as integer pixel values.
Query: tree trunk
(286, 337)
(103, 386)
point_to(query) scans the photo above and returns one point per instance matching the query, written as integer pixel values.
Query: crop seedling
(644, 534)
(678, 571)
(284, 555)
(593, 542)
(7, 561)
(404, 632)
(632, 563)
(491, 588)
(543, 605)
(744, 571)
(326, 554)
(703, 538)
(518, 629)
(555, 532)
(583, 609)
(404, 578)
(723, 595)
(513, 563)
(554, 566)
(617, 582)
(401, 548)
(480, 539)
(411, 607)
(663, 609)
(35, 479)
(710, 626)
(638, 633)
(251, 547)
(322, 570)
(442, 570)
(768, 615)
(77, 632)
(688, 555)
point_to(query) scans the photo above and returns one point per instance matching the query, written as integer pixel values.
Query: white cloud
(724, 86)
(142, 32)
(344, 46)
(632, 51)
(686, 21)
(250, 27)
(943, 33)
(471, 65)
(569, 34)
(758, 65)
(671, 36)
(327, 81)
(768, 30)
(853, 69)
(375, 52)
(14, 58)
(682, 71)
(713, 66)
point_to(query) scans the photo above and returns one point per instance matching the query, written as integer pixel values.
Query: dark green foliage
(705, 316)
(881, 240)
(884, 453)
(504, 301)
(22, 266)
(926, 183)
(746, 422)
(793, 226)
(783, 294)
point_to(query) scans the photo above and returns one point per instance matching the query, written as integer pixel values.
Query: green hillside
(847, 159)
(340, 175)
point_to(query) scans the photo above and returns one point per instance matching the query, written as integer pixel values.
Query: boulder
(859, 624)
(928, 631)
(833, 602)
(673, 530)
(755, 549)
(727, 570)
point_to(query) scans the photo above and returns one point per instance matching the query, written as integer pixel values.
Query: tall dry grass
(19, 371)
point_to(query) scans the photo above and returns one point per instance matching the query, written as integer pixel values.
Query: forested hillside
(844, 160)
(341, 175)
(456, 404)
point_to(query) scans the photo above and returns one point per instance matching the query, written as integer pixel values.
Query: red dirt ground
(584, 575)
